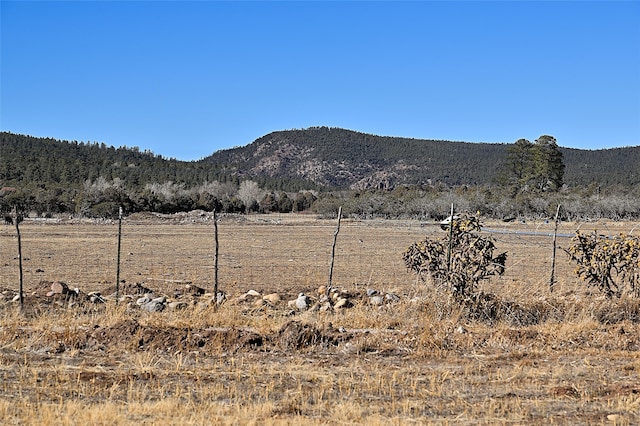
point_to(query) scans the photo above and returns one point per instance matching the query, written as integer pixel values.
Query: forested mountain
(314, 158)
(339, 158)
(27, 159)
(88, 178)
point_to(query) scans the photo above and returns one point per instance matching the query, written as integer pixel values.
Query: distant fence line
(280, 219)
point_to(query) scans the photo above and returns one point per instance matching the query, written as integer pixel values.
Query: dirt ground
(521, 355)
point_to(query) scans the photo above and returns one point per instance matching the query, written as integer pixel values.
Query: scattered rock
(177, 306)
(342, 302)
(376, 300)
(95, 297)
(248, 296)
(325, 307)
(272, 298)
(154, 305)
(334, 293)
(58, 287)
(144, 299)
(391, 298)
(302, 302)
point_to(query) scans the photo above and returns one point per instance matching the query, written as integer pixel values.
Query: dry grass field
(521, 355)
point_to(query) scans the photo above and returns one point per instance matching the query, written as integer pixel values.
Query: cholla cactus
(470, 261)
(607, 262)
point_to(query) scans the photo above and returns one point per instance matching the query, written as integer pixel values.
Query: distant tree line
(103, 198)
(434, 203)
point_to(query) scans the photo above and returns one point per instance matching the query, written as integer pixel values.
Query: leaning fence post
(333, 249)
(17, 220)
(553, 259)
(118, 258)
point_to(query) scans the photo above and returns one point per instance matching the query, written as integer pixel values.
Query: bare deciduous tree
(250, 193)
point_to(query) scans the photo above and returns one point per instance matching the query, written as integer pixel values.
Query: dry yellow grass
(527, 356)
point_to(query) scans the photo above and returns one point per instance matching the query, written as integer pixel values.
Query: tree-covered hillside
(340, 159)
(605, 168)
(315, 158)
(318, 168)
(27, 160)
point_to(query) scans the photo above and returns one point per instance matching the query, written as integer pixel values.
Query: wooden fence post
(17, 219)
(333, 249)
(215, 258)
(553, 259)
(450, 240)
(118, 258)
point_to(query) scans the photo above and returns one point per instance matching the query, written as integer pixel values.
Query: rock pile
(258, 300)
(134, 296)
(61, 293)
(189, 295)
(338, 299)
(140, 297)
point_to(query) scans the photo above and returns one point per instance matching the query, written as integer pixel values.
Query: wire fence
(285, 253)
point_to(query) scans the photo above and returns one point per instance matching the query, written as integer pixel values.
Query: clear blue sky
(185, 79)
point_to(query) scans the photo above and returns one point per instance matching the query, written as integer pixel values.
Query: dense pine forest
(26, 159)
(315, 169)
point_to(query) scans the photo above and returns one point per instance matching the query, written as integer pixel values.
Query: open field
(523, 356)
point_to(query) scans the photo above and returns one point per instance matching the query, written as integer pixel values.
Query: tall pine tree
(548, 165)
(535, 166)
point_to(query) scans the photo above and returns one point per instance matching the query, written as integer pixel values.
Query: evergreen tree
(535, 166)
(548, 170)
(518, 166)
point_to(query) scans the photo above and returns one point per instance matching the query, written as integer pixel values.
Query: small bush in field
(471, 259)
(608, 263)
